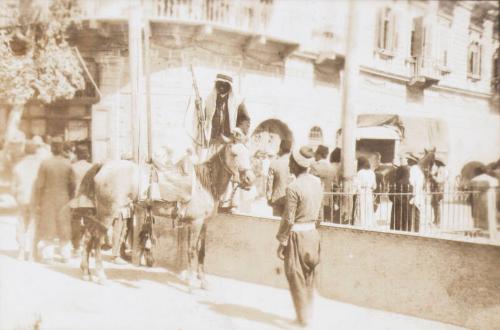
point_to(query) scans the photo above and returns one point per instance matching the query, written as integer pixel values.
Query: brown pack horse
(116, 184)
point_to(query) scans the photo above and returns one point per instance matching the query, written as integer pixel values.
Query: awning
(425, 133)
(415, 133)
(378, 133)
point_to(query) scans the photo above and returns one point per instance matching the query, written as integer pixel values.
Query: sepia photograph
(249, 164)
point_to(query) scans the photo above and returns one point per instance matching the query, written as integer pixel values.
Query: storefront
(394, 136)
(70, 119)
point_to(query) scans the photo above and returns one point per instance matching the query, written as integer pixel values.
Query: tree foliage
(36, 61)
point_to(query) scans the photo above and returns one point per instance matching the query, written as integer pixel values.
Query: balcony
(424, 72)
(250, 15)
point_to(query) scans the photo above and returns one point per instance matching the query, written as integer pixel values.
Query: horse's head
(427, 160)
(237, 159)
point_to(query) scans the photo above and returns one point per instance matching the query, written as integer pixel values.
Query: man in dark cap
(299, 240)
(54, 187)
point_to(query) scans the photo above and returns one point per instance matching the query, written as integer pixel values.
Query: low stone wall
(448, 281)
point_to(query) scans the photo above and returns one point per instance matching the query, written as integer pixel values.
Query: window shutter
(428, 41)
(470, 59)
(379, 29)
(416, 49)
(479, 60)
(394, 34)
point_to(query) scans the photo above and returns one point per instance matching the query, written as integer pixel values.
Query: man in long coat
(54, 188)
(299, 240)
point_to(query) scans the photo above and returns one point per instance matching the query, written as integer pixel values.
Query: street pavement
(55, 297)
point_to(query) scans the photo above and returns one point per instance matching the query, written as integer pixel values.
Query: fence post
(486, 185)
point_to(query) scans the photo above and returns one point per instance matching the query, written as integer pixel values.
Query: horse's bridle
(224, 165)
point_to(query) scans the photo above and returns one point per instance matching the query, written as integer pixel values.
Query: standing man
(24, 175)
(299, 240)
(80, 167)
(327, 173)
(439, 176)
(417, 181)
(278, 179)
(54, 187)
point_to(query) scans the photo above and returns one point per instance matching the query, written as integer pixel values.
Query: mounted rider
(224, 112)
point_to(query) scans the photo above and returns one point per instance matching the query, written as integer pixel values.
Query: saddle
(173, 184)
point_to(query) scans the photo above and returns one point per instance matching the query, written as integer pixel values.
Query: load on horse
(115, 184)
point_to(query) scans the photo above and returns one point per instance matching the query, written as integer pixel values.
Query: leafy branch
(36, 62)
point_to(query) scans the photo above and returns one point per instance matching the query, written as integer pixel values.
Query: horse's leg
(87, 246)
(201, 231)
(191, 251)
(101, 276)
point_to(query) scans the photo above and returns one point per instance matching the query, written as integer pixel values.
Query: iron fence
(449, 212)
(252, 15)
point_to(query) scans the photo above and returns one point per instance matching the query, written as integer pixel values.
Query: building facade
(417, 59)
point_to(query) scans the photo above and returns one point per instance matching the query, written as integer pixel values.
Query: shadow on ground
(248, 313)
(127, 275)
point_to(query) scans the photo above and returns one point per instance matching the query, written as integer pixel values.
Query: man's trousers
(301, 259)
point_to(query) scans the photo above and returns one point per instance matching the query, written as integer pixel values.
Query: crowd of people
(45, 180)
(301, 186)
(359, 205)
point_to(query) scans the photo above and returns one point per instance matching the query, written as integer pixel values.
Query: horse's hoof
(204, 285)
(101, 281)
(86, 277)
(101, 278)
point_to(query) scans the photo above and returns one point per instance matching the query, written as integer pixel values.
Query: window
(474, 61)
(495, 77)
(443, 45)
(315, 136)
(386, 32)
(419, 42)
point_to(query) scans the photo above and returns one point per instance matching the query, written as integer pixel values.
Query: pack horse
(115, 184)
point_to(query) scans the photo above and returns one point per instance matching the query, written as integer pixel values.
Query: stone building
(427, 62)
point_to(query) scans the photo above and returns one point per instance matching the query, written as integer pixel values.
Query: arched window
(315, 136)
(474, 60)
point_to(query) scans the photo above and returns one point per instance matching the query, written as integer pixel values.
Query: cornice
(461, 91)
(380, 73)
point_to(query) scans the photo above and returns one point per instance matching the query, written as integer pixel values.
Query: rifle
(201, 118)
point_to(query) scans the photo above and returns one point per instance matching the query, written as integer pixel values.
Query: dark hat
(224, 78)
(411, 156)
(82, 151)
(322, 151)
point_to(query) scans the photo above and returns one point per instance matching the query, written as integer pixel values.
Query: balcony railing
(424, 71)
(251, 15)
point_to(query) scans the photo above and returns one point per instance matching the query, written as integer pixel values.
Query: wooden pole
(349, 86)
(350, 78)
(134, 54)
(147, 68)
